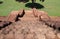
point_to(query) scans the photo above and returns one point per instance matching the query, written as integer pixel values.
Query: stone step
(28, 13)
(28, 18)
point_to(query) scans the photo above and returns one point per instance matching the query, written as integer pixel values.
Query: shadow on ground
(22, 1)
(42, 0)
(34, 5)
(1, 2)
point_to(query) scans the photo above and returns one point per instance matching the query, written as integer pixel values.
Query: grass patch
(51, 6)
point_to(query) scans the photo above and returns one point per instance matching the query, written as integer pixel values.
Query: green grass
(51, 6)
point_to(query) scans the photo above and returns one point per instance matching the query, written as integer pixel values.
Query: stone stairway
(28, 28)
(28, 16)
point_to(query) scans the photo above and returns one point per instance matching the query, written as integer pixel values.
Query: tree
(42, 0)
(33, 1)
(22, 1)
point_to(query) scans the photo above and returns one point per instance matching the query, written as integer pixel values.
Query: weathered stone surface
(4, 24)
(2, 18)
(28, 29)
(57, 25)
(21, 13)
(58, 35)
(1, 24)
(50, 35)
(1, 36)
(13, 16)
(9, 36)
(38, 13)
(45, 18)
(35, 12)
(42, 15)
